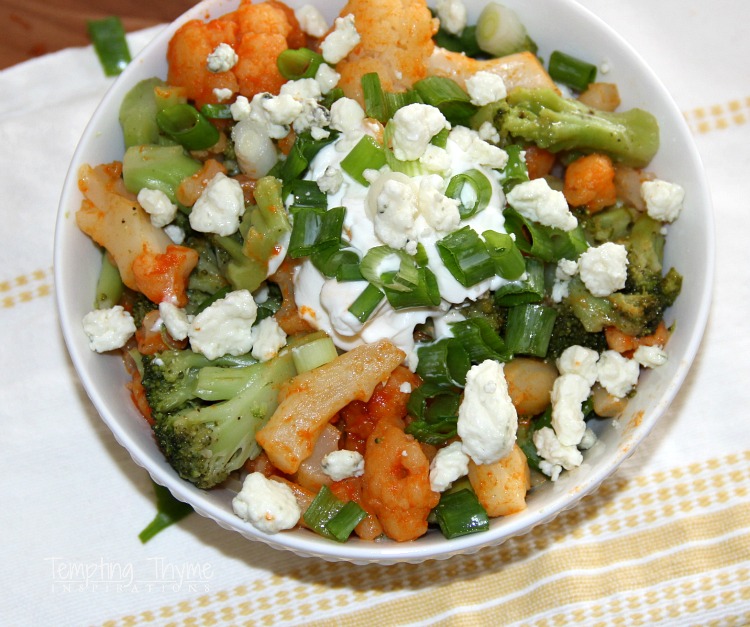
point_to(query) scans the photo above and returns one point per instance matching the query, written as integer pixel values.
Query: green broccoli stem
(206, 443)
(545, 118)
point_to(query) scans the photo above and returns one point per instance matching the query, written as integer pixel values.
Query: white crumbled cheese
(347, 115)
(489, 133)
(485, 87)
(255, 151)
(551, 470)
(414, 126)
(331, 181)
(244, 110)
(450, 463)
(438, 210)
(405, 388)
(663, 199)
(396, 212)
(326, 77)
(487, 419)
(604, 269)
(267, 338)
(342, 464)
(588, 440)
(341, 41)
(268, 505)
(568, 392)
(311, 20)
(566, 269)
(225, 327)
(176, 321)
(283, 109)
(219, 207)
(617, 374)
(579, 360)
(555, 453)
(158, 206)
(108, 329)
(222, 59)
(240, 109)
(650, 356)
(175, 233)
(302, 89)
(223, 94)
(537, 201)
(478, 150)
(436, 159)
(452, 15)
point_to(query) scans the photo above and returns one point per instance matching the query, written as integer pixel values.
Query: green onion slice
(444, 362)
(367, 154)
(184, 124)
(509, 262)
(515, 170)
(571, 71)
(460, 513)
(435, 412)
(529, 328)
(331, 517)
(445, 94)
(314, 230)
(216, 111)
(366, 303)
(475, 197)
(110, 44)
(465, 256)
(296, 64)
(480, 340)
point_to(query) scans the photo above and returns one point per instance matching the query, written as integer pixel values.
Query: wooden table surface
(35, 27)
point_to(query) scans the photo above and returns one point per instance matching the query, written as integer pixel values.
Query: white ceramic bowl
(690, 249)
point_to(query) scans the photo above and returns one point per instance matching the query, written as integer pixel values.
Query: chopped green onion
(217, 111)
(478, 196)
(310, 355)
(571, 71)
(444, 362)
(466, 42)
(330, 259)
(460, 513)
(315, 229)
(349, 271)
(212, 298)
(423, 292)
(169, 510)
(296, 64)
(367, 154)
(380, 260)
(306, 194)
(509, 262)
(109, 286)
(465, 256)
(110, 44)
(569, 244)
(184, 124)
(435, 412)
(374, 97)
(480, 340)
(515, 170)
(532, 238)
(303, 150)
(529, 328)
(500, 32)
(445, 94)
(525, 289)
(441, 139)
(525, 435)
(366, 303)
(331, 517)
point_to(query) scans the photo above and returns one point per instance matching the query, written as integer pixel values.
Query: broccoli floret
(139, 305)
(206, 278)
(569, 331)
(558, 124)
(485, 307)
(202, 440)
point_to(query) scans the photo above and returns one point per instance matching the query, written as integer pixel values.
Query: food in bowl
(384, 288)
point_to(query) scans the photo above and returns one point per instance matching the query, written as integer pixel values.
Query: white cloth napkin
(665, 541)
